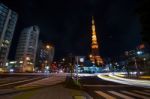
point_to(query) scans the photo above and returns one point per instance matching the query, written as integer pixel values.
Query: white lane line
(136, 95)
(121, 95)
(17, 82)
(140, 92)
(106, 96)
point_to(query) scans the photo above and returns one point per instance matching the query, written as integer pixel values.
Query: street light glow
(48, 46)
(90, 56)
(139, 52)
(27, 58)
(21, 62)
(47, 67)
(63, 59)
(81, 59)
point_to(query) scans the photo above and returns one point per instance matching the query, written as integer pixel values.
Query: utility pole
(77, 59)
(135, 63)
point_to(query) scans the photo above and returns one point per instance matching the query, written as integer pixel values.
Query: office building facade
(8, 19)
(26, 49)
(45, 56)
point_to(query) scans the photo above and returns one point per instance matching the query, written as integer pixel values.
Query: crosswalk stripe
(136, 95)
(121, 95)
(104, 95)
(140, 92)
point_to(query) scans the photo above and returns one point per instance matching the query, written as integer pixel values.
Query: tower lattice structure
(95, 57)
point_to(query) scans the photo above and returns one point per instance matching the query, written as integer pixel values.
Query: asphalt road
(10, 81)
(100, 89)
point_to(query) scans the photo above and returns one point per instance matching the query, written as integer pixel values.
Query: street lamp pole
(77, 68)
(136, 66)
(144, 60)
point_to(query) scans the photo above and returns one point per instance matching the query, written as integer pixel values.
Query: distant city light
(27, 58)
(30, 63)
(11, 70)
(90, 55)
(47, 67)
(139, 52)
(21, 62)
(46, 71)
(12, 62)
(81, 59)
(63, 59)
(6, 64)
(60, 71)
(39, 71)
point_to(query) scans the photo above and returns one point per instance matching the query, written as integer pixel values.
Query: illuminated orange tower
(95, 57)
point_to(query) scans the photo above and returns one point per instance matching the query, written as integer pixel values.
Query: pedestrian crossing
(124, 94)
(107, 96)
(120, 95)
(136, 95)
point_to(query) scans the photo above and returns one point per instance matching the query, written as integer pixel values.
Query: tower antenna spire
(95, 57)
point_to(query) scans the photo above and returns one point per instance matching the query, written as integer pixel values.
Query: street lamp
(135, 62)
(136, 66)
(47, 46)
(90, 56)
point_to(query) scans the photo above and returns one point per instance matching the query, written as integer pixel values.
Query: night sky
(67, 24)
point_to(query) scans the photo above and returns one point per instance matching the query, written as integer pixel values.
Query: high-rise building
(95, 57)
(8, 19)
(45, 55)
(27, 47)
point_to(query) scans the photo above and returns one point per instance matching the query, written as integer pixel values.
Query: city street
(10, 81)
(74, 49)
(101, 89)
(46, 88)
(92, 87)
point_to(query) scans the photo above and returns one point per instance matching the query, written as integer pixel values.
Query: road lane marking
(79, 97)
(136, 95)
(140, 92)
(121, 95)
(18, 82)
(105, 95)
